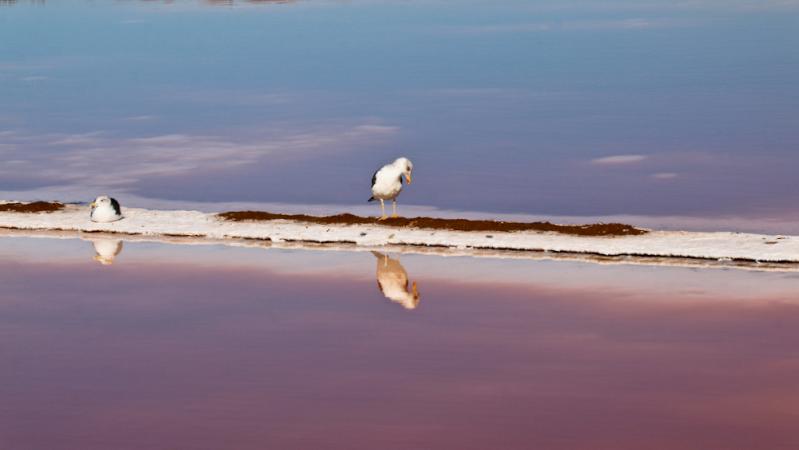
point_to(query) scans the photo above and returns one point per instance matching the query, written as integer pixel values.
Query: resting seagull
(387, 183)
(105, 209)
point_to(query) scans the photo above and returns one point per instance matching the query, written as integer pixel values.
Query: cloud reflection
(618, 159)
(254, 2)
(100, 159)
(392, 279)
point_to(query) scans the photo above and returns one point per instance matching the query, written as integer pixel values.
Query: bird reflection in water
(106, 250)
(393, 282)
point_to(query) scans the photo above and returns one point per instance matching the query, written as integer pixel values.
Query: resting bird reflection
(106, 250)
(393, 282)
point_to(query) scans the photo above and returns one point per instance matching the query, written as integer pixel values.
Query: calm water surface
(586, 108)
(663, 113)
(139, 345)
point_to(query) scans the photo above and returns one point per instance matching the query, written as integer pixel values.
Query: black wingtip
(371, 199)
(115, 205)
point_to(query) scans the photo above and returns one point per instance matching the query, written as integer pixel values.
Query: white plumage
(105, 209)
(393, 282)
(387, 183)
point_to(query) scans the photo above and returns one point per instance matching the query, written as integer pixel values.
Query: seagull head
(412, 300)
(405, 166)
(102, 200)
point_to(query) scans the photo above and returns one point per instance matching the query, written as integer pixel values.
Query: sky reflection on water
(214, 347)
(584, 108)
(532, 107)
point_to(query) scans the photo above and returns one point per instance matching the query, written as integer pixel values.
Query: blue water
(503, 106)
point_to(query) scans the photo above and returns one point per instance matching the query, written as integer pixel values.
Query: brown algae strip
(596, 229)
(35, 207)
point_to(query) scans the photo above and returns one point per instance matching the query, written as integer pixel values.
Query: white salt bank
(659, 247)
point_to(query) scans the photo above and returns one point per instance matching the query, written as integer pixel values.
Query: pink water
(166, 352)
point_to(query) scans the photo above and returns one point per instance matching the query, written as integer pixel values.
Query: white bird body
(387, 183)
(392, 279)
(105, 209)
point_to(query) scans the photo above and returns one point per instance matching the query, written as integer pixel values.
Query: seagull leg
(394, 206)
(383, 210)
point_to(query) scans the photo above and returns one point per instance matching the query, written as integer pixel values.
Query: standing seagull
(105, 209)
(387, 183)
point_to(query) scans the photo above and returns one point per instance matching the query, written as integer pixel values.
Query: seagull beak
(93, 205)
(408, 177)
(104, 261)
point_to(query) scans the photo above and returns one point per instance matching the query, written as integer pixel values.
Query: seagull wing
(115, 205)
